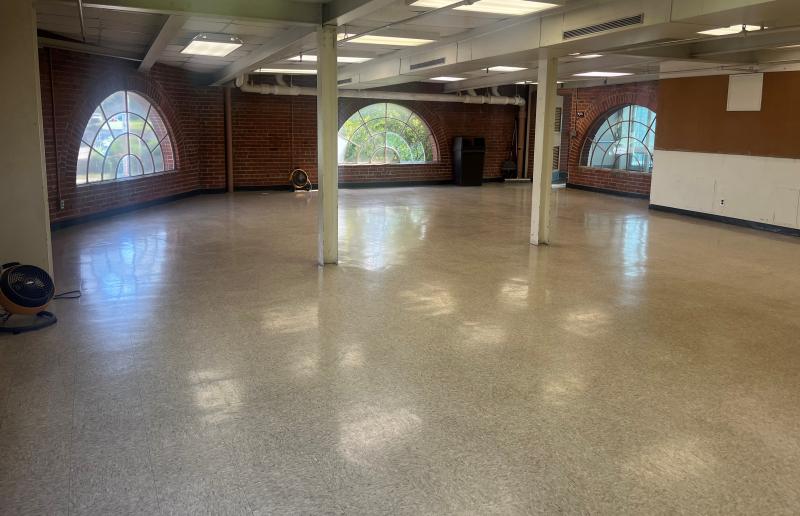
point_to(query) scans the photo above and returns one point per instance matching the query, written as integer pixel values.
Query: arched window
(125, 137)
(385, 134)
(624, 140)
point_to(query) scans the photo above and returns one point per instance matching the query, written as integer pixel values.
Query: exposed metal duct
(273, 89)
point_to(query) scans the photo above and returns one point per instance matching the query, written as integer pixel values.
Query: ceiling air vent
(425, 64)
(344, 81)
(602, 27)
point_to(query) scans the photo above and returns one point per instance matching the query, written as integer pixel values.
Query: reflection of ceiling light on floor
(389, 41)
(310, 58)
(215, 45)
(447, 79)
(509, 7)
(504, 69)
(733, 29)
(287, 71)
(601, 74)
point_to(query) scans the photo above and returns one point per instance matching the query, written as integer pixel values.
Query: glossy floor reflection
(645, 363)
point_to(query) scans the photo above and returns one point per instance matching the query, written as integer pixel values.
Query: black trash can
(468, 156)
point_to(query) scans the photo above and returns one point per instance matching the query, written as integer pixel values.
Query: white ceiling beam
(759, 40)
(86, 48)
(566, 69)
(341, 12)
(283, 11)
(171, 28)
(487, 81)
(282, 47)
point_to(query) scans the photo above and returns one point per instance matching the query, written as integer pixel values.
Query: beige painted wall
(24, 217)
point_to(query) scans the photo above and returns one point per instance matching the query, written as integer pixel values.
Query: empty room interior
(400, 257)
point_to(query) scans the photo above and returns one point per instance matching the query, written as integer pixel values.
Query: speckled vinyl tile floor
(645, 363)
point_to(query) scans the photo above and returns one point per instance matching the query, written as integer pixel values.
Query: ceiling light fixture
(287, 71)
(508, 7)
(728, 31)
(215, 45)
(447, 79)
(505, 69)
(589, 56)
(311, 58)
(601, 74)
(389, 41)
(526, 82)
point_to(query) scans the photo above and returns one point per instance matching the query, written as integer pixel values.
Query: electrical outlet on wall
(722, 202)
(61, 204)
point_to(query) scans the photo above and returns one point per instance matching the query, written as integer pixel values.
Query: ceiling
(665, 41)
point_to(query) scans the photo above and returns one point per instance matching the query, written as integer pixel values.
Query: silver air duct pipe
(277, 89)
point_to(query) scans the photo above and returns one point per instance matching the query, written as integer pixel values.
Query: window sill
(126, 179)
(617, 170)
(389, 164)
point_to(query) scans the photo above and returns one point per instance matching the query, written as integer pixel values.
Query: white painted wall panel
(754, 188)
(745, 92)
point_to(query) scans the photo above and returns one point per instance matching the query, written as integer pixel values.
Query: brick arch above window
(83, 110)
(597, 102)
(125, 137)
(623, 138)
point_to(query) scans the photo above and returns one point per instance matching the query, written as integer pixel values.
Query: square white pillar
(543, 150)
(327, 141)
(24, 214)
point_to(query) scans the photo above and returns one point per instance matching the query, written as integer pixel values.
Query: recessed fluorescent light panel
(505, 69)
(287, 71)
(601, 74)
(507, 7)
(733, 29)
(389, 41)
(310, 58)
(526, 82)
(447, 79)
(215, 45)
(589, 56)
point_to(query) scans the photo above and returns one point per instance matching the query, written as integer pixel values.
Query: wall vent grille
(345, 81)
(426, 64)
(602, 27)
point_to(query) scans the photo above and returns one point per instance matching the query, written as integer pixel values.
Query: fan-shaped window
(623, 141)
(385, 134)
(125, 137)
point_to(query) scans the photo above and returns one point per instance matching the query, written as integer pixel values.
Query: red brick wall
(79, 83)
(595, 103)
(272, 135)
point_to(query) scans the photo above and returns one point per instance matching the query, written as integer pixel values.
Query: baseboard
(607, 191)
(273, 188)
(395, 184)
(729, 220)
(60, 224)
(282, 188)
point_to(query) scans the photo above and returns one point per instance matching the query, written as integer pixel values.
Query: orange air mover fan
(25, 291)
(300, 180)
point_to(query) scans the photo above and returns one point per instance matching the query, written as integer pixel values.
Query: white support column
(543, 150)
(24, 215)
(327, 141)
